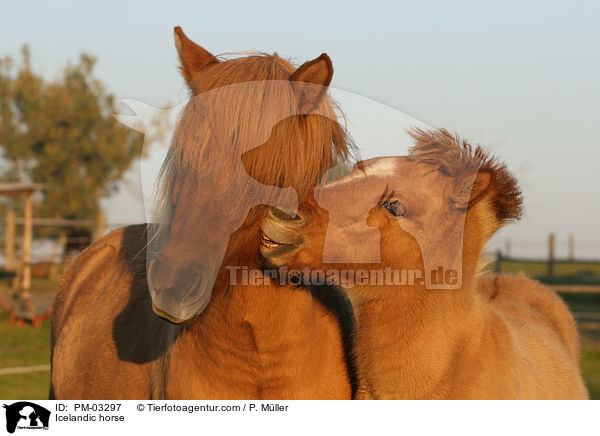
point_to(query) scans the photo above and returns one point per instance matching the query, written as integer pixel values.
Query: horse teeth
(269, 244)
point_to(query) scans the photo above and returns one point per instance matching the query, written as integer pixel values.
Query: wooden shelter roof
(20, 188)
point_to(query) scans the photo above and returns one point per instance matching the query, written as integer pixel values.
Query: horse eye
(394, 207)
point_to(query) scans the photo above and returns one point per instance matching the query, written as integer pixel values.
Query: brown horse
(434, 210)
(256, 132)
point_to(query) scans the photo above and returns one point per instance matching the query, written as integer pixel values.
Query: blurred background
(519, 78)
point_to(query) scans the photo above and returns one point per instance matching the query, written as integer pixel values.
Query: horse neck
(408, 336)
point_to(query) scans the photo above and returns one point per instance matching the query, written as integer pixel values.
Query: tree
(63, 133)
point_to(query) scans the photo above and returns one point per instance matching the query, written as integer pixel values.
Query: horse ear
(192, 57)
(470, 191)
(310, 82)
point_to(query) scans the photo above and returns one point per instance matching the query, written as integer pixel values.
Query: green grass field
(590, 364)
(24, 346)
(586, 308)
(582, 270)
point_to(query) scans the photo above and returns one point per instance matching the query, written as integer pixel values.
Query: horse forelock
(449, 153)
(454, 157)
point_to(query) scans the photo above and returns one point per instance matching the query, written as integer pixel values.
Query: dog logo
(26, 415)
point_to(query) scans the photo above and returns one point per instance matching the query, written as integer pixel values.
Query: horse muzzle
(179, 293)
(280, 235)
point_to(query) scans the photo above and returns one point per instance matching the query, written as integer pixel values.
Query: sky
(520, 78)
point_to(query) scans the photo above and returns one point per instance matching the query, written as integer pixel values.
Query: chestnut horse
(256, 132)
(493, 337)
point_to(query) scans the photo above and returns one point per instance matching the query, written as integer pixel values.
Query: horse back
(521, 296)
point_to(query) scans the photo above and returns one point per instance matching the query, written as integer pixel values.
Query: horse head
(401, 213)
(256, 131)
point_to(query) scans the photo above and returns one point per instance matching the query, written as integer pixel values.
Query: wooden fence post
(507, 248)
(27, 240)
(54, 253)
(551, 242)
(100, 226)
(498, 261)
(9, 241)
(571, 247)
(62, 243)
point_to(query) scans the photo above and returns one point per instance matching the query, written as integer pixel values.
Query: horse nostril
(299, 217)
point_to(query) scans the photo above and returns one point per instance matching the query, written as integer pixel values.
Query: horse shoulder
(96, 288)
